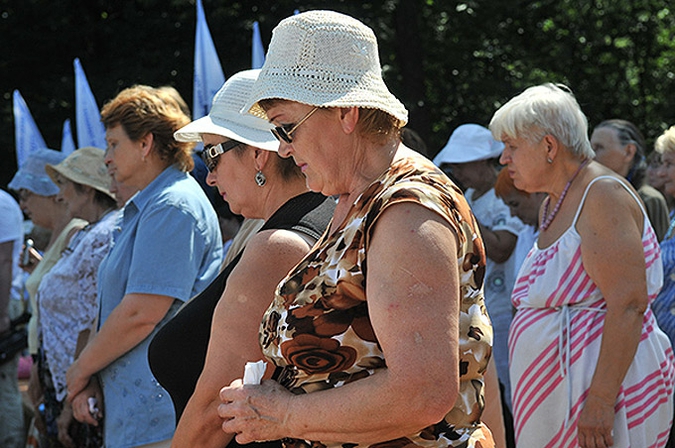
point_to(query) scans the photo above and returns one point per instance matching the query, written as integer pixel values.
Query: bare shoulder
(274, 247)
(611, 202)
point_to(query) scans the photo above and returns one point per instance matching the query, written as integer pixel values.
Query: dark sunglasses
(210, 153)
(284, 131)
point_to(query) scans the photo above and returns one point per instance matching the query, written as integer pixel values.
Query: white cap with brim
(226, 119)
(469, 143)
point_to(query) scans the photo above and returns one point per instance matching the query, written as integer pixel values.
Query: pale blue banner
(90, 129)
(26, 133)
(208, 74)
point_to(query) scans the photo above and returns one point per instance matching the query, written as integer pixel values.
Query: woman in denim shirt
(167, 248)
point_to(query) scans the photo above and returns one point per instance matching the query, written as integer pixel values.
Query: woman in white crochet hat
(380, 335)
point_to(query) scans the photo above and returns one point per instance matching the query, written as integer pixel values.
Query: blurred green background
(450, 62)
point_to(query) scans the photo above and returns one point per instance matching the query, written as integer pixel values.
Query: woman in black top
(191, 357)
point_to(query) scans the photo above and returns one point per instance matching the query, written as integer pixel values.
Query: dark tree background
(450, 62)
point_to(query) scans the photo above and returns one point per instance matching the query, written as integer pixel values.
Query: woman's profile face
(233, 177)
(667, 172)
(122, 156)
(525, 162)
(75, 200)
(609, 151)
(36, 207)
(312, 146)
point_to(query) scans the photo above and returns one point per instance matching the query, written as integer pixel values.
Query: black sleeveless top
(178, 351)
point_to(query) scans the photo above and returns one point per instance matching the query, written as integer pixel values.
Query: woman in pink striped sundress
(589, 366)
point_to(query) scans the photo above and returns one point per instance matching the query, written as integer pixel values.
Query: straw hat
(84, 166)
(469, 143)
(32, 175)
(325, 59)
(226, 119)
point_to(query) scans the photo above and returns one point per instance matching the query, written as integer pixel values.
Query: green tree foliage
(451, 62)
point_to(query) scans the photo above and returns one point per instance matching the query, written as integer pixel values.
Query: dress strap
(588, 187)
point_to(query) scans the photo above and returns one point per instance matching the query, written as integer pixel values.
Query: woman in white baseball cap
(380, 334)
(241, 155)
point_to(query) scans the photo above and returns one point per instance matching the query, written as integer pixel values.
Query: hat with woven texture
(325, 59)
(225, 117)
(469, 143)
(84, 166)
(32, 175)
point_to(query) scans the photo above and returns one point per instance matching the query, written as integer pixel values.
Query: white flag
(26, 133)
(258, 52)
(208, 75)
(90, 130)
(67, 142)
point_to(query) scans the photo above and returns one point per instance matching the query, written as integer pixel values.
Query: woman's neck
(279, 194)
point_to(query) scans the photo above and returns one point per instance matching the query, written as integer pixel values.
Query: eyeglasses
(210, 153)
(284, 131)
(24, 194)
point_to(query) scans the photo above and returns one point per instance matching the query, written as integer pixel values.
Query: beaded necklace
(549, 218)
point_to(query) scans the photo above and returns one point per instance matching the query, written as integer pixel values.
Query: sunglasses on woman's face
(285, 131)
(210, 153)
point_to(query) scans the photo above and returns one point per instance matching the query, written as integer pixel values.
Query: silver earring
(260, 179)
(549, 160)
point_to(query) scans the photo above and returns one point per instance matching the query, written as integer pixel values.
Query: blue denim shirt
(168, 243)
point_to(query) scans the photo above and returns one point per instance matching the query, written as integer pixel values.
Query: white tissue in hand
(254, 371)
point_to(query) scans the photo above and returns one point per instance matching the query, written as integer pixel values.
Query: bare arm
(499, 244)
(611, 248)
(128, 324)
(268, 257)
(413, 301)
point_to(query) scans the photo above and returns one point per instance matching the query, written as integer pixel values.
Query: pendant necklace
(549, 218)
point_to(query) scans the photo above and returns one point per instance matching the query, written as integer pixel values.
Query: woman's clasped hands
(255, 412)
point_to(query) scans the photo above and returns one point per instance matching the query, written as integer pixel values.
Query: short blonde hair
(666, 141)
(541, 110)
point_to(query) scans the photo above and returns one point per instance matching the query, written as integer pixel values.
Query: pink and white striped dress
(554, 343)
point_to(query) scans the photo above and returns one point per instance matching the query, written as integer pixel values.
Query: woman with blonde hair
(167, 249)
(589, 366)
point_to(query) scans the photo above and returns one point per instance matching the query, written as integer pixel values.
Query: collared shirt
(168, 243)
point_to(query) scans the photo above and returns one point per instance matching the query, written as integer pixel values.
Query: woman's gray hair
(666, 141)
(541, 110)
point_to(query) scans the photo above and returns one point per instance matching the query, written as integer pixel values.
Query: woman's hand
(595, 423)
(63, 422)
(80, 404)
(255, 413)
(76, 380)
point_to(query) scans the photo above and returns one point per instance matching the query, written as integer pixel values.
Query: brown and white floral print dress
(318, 332)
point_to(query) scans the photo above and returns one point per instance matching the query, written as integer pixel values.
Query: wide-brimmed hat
(324, 59)
(32, 175)
(84, 166)
(225, 117)
(469, 143)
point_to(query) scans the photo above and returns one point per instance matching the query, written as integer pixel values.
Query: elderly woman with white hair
(589, 366)
(380, 334)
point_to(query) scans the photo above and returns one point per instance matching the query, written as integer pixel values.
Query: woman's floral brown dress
(318, 329)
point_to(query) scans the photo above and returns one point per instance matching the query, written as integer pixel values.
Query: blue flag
(67, 142)
(90, 130)
(258, 53)
(26, 132)
(208, 76)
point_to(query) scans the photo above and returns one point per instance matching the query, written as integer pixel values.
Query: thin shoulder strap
(588, 187)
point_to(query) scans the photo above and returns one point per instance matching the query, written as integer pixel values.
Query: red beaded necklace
(549, 218)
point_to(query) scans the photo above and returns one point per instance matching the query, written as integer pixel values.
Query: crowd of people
(518, 290)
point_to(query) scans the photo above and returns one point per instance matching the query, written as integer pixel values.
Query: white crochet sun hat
(469, 143)
(325, 59)
(225, 117)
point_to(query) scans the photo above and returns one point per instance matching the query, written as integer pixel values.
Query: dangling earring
(260, 179)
